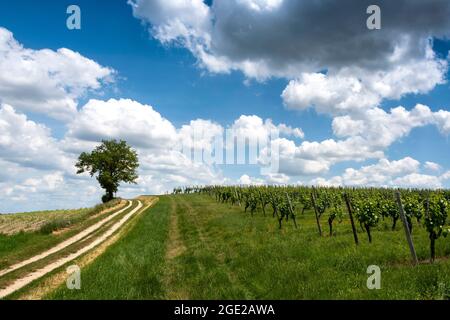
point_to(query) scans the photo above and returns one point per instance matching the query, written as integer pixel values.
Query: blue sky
(188, 62)
(163, 76)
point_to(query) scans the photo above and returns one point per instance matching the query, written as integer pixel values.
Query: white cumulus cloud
(46, 81)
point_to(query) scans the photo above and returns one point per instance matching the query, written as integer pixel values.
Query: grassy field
(32, 221)
(190, 247)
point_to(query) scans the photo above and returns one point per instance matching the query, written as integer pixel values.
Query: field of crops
(363, 207)
(27, 222)
(11, 224)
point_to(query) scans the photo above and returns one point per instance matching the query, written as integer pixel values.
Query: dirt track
(22, 282)
(65, 243)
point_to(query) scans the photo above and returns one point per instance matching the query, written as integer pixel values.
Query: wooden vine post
(350, 214)
(291, 210)
(406, 227)
(313, 198)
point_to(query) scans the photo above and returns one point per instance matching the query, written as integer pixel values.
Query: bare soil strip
(22, 282)
(65, 243)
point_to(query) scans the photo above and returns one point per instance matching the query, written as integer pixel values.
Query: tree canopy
(113, 162)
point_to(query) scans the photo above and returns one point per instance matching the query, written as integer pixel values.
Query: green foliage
(389, 209)
(113, 162)
(57, 224)
(436, 213)
(336, 210)
(368, 214)
(413, 209)
(322, 201)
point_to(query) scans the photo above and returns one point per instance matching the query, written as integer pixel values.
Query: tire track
(22, 282)
(63, 244)
(232, 278)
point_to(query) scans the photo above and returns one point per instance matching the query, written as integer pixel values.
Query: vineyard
(224, 242)
(365, 208)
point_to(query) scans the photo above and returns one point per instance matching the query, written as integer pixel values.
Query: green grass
(223, 253)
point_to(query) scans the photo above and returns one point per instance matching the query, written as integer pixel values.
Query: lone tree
(115, 162)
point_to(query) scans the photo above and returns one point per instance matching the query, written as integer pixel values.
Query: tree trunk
(394, 224)
(280, 219)
(368, 233)
(330, 223)
(432, 247)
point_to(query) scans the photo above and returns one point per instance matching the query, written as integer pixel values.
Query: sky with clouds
(354, 106)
